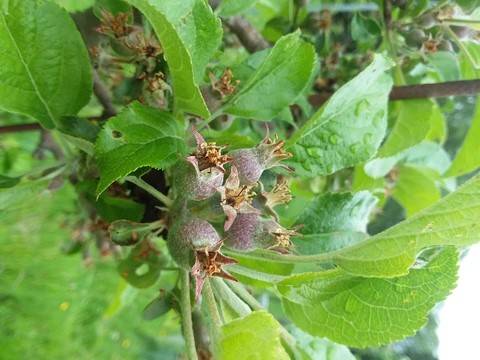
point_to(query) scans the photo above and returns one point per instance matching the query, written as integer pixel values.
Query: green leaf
(362, 181)
(411, 127)
(451, 221)
(279, 80)
(44, 66)
(125, 232)
(158, 306)
(138, 136)
(259, 273)
(468, 157)
(75, 5)
(363, 312)
(416, 188)
(189, 33)
(365, 31)
(12, 198)
(427, 153)
(314, 348)
(113, 6)
(78, 127)
(468, 4)
(108, 207)
(122, 297)
(80, 132)
(8, 182)
(255, 336)
(469, 65)
(233, 7)
(142, 267)
(438, 129)
(333, 221)
(349, 128)
(245, 69)
(446, 64)
(113, 208)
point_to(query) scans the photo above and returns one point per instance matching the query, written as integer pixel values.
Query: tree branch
(250, 38)
(450, 88)
(420, 91)
(387, 14)
(19, 128)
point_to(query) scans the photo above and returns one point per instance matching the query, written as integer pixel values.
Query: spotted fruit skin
(197, 185)
(249, 165)
(188, 235)
(250, 231)
(244, 232)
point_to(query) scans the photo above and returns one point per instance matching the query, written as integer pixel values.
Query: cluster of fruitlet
(428, 31)
(219, 199)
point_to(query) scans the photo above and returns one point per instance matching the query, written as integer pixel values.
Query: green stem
(227, 295)
(213, 313)
(150, 189)
(284, 258)
(186, 313)
(390, 41)
(454, 21)
(210, 119)
(212, 305)
(463, 48)
(63, 144)
(296, 12)
(243, 293)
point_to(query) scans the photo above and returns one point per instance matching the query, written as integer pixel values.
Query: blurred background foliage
(55, 306)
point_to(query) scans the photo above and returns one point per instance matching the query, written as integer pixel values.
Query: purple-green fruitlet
(194, 242)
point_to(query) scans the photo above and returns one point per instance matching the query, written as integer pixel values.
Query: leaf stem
(285, 258)
(212, 305)
(296, 12)
(390, 41)
(150, 189)
(186, 313)
(463, 48)
(455, 21)
(227, 295)
(214, 315)
(210, 119)
(245, 295)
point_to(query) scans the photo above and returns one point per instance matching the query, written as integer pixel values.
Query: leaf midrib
(27, 69)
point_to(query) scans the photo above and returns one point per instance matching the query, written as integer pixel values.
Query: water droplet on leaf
(361, 107)
(367, 138)
(316, 153)
(334, 139)
(354, 148)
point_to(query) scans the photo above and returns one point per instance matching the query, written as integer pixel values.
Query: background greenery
(56, 306)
